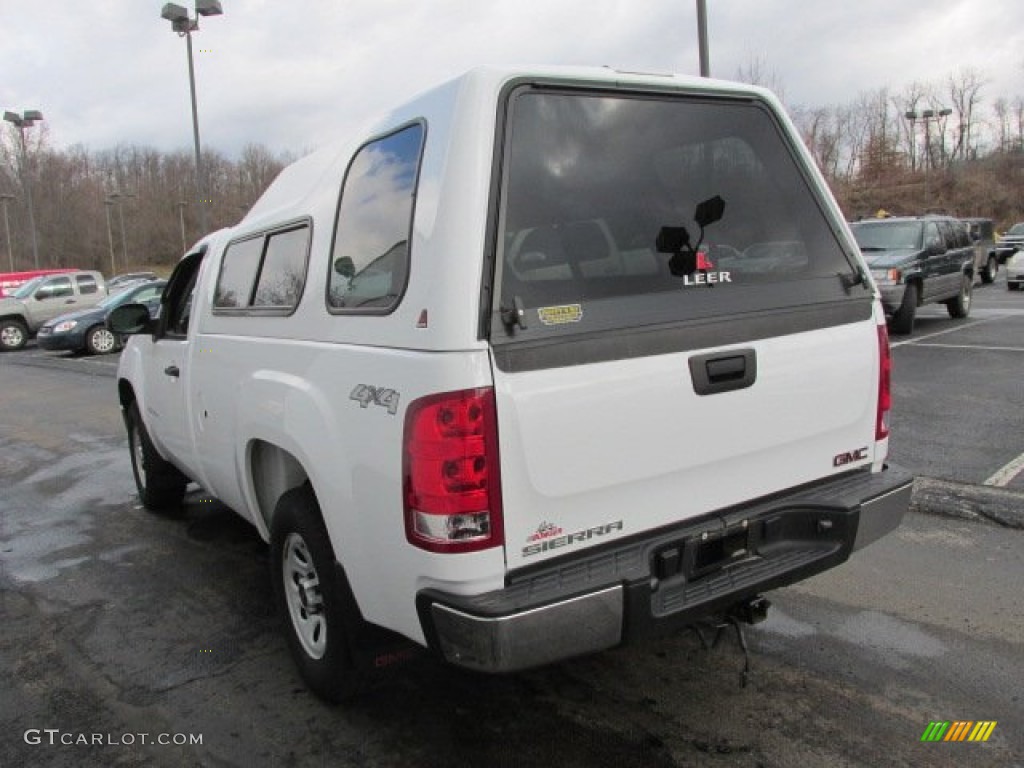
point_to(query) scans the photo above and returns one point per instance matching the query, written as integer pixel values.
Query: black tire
(100, 341)
(13, 334)
(308, 594)
(903, 319)
(1012, 286)
(160, 484)
(960, 306)
(988, 274)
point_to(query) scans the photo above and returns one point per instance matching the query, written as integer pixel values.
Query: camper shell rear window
(602, 199)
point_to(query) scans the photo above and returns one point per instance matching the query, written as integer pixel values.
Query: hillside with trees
(938, 147)
(127, 207)
(944, 146)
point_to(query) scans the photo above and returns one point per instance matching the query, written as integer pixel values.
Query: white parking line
(972, 346)
(963, 327)
(1005, 475)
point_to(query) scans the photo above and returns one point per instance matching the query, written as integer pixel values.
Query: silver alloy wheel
(302, 593)
(12, 337)
(102, 340)
(966, 290)
(135, 438)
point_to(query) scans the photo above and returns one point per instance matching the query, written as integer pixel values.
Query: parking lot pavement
(95, 365)
(121, 623)
(958, 399)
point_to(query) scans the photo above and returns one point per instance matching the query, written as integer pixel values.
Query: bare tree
(758, 72)
(1001, 109)
(965, 93)
(1018, 111)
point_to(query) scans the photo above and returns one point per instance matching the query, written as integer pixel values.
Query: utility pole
(5, 199)
(702, 38)
(26, 120)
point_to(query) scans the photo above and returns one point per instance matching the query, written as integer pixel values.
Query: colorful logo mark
(703, 262)
(958, 730)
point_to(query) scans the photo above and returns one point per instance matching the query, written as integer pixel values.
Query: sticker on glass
(567, 313)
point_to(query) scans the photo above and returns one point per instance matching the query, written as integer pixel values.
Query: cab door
(167, 406)
(55, 296)
(934, 262)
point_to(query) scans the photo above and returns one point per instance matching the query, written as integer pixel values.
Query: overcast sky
(294, 74)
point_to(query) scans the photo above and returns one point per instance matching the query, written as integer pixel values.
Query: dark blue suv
(918, 260)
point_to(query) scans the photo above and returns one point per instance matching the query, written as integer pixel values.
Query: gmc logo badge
(842, 459)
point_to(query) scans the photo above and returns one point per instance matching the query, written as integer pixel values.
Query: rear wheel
(13, 334)
(160, 484)
(307, 592)
(961, 305)
(100, 341)
(903, 319)
(988, 274)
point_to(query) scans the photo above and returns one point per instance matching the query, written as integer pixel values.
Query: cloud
(297, 75)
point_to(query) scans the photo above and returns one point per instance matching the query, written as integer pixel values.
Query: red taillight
(884, 384)
(451, 483)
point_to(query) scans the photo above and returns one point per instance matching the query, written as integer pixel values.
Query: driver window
(176, 302)
(177, 322)
(57, 288)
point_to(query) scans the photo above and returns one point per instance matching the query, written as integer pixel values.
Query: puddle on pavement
(890, 639)
(48, 514)
(890, 636)
(780, 624)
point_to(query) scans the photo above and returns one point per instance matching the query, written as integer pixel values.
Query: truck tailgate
(592, 453)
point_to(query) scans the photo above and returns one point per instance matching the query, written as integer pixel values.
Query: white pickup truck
(543, 362)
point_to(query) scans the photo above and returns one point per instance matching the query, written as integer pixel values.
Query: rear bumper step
(665, 579)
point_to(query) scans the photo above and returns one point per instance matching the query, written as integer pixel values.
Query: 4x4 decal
(364, 394)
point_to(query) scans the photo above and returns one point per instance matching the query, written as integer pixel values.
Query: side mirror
(345, 267)
(130, 319)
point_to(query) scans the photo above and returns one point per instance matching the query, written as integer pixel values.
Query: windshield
(1016, 229)
(26, 290)
(116, 300)
(888, 235)
(137, 295)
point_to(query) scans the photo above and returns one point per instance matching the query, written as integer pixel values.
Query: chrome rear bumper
(666, 579)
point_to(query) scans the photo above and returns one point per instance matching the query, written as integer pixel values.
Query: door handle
(723, 371)
(172, 370)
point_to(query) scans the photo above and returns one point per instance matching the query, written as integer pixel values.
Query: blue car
(86, 329)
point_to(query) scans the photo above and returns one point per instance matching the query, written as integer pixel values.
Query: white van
(542, 362)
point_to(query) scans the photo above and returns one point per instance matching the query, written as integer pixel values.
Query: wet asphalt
(123, 626)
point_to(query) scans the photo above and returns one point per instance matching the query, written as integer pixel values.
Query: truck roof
(309, 185)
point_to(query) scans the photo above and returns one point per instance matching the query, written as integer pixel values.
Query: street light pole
(200, 179)
(702, 38)
(26, 120)
(110, 236)
(185, 26)
(926, 116)
(181, 218)
(119, 197)
(5, 199)
(911, 115)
